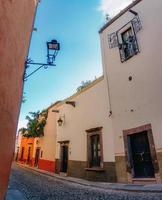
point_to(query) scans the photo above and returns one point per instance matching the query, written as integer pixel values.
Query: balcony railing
(128, 48)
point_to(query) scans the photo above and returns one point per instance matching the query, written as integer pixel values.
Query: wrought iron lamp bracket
(52, 50)
(29, 63)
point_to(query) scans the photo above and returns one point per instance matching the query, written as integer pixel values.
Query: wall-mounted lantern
(52, 50)
(37, 142)
(60, 121)
(110, 113)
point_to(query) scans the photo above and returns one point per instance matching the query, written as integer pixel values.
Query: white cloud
(112, 7)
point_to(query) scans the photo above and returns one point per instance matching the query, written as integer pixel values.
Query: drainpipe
(106, 76)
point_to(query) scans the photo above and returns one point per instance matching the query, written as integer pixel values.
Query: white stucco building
(131, 52)
(111, 129)
(85, 135)
(125, 106)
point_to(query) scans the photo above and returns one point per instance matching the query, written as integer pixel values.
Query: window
(94, 148)
(126, 39)
(129, 46)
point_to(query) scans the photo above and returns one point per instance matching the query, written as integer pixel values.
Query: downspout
(107, 77)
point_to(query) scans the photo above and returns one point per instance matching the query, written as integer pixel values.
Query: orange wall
(26, 143)
(44, 164)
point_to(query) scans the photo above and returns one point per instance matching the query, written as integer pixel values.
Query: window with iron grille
(126, 38)
(129, 45)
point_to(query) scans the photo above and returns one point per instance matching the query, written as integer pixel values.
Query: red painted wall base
(46, 165)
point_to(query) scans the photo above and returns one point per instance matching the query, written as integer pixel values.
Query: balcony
(128, 48)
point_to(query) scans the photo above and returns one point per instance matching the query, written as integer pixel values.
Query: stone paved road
(35, 186)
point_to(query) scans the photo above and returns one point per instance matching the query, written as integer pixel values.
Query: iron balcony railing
(128, 48)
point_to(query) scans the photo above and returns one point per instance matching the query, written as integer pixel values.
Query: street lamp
(52, 50)
(61, 120)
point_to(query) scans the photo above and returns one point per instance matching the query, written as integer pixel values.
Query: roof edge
(119, 15)
(93, 83)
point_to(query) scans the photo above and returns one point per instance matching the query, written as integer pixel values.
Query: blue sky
(75, 25)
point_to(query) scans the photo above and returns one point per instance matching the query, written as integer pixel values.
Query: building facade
(17, 145)
(39, 152)
(26, 150)
(47, 144)
(111, 129)
(16, 19)
(85, 147)
(132, 69)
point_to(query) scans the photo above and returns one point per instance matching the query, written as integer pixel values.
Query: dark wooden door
(22, 153)
(141, 156)
(29, 151)
(64, 158)
(37, 153)
(17, 154)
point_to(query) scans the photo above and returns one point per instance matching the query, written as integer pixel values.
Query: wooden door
(37, 153)
(29, 151)
(64, 158)
(22, 153)
(140, 155)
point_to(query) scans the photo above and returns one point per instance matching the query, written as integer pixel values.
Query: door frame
(128, 132)
(63, 143)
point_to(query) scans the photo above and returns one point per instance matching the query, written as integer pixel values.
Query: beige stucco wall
(143, 94)
(91, 111)
(18, 141)
(16, 18)
(48, 142)
(35, 145)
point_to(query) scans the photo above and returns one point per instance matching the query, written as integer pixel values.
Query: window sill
(97, 169)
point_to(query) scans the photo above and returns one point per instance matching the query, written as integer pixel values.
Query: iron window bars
(129, 47)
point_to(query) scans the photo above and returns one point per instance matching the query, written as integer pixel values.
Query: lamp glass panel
(53, 46)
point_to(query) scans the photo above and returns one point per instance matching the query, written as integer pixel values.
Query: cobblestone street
(35, 186)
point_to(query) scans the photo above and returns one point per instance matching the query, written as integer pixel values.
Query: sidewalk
(152, 188)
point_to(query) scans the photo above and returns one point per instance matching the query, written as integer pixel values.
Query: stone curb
(101, 185)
